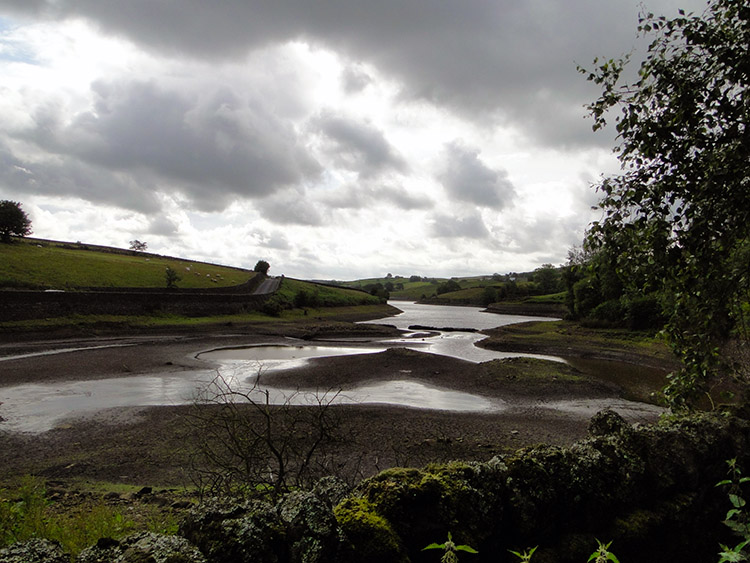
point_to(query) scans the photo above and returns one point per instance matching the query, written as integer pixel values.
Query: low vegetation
(42, 264)
(31, 511)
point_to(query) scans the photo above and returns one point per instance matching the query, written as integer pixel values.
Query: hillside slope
(45, 264)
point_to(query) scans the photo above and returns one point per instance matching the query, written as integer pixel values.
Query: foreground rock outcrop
(648, 489)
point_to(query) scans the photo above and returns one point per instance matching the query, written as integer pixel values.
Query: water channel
(40, 407)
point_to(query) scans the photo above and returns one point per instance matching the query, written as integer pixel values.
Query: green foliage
(450, 550)
(737, 518)
(171, 277)
(23, 517)
(547, 278)
(300, 294)
(489, 295)
(602, 554)
(262, 266)
(13, 221)
(28, 514)
(449, 286)
(524, 557)
(677, 220)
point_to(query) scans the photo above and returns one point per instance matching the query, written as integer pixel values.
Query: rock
(331, 489)
(142, 492)
(300, 528)
(607, 423)
(34, 551)
(145, 547)
(312, 531)
(238, 532)
(181, 504)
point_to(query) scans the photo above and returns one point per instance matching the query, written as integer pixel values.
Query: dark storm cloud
(469, 226)
(215, 147)
(358, 146)
(468, 179)
(73, 178)
(513, 60)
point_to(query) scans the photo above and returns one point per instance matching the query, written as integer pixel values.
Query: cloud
(163, 226)
(468, 226)
(364, 195)
(468, 179)
(358, 146)
(545, 235)
(355, 79)
(291, 208)
(331, 127)
(494, 59)
(210, 146)
(276, 240)
(69, 177)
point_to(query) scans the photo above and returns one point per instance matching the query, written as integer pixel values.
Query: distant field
(303, 294)
(41, 264)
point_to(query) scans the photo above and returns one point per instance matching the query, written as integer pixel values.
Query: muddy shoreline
(151, 446)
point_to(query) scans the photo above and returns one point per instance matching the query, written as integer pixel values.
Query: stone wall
(26, 305)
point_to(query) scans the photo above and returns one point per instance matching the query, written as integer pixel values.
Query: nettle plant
(737, 518)
(450, 550)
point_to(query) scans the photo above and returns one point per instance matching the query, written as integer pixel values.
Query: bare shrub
(248, 445)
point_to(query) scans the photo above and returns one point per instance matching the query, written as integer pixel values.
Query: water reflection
(39, 407)
(440, 316)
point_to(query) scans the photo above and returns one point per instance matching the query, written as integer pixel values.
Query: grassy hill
(44, 264)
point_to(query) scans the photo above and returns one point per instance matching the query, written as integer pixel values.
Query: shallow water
(441, 316)
(40, 407)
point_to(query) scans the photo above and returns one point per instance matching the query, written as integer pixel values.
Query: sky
(336, 139)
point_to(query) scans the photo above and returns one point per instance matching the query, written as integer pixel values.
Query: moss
(530, 370)
(636, 524)
(422, 506)
(372, 536)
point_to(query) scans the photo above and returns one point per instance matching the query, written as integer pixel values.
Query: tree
(547, 278)
(448, 287)
(13, 221)
(678, 216)
(138, 246)
(262, 267)
(489, 296)
(171, 278)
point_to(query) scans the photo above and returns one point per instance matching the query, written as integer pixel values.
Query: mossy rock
(372, 537)
(423, 505)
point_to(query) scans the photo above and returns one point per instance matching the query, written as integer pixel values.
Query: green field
(42, 264)
(303, 294)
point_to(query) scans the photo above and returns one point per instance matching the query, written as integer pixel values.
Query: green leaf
(434, 546)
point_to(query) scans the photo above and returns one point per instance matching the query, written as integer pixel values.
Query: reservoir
(40, 407)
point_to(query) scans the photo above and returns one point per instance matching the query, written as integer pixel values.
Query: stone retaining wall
(26, 305)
